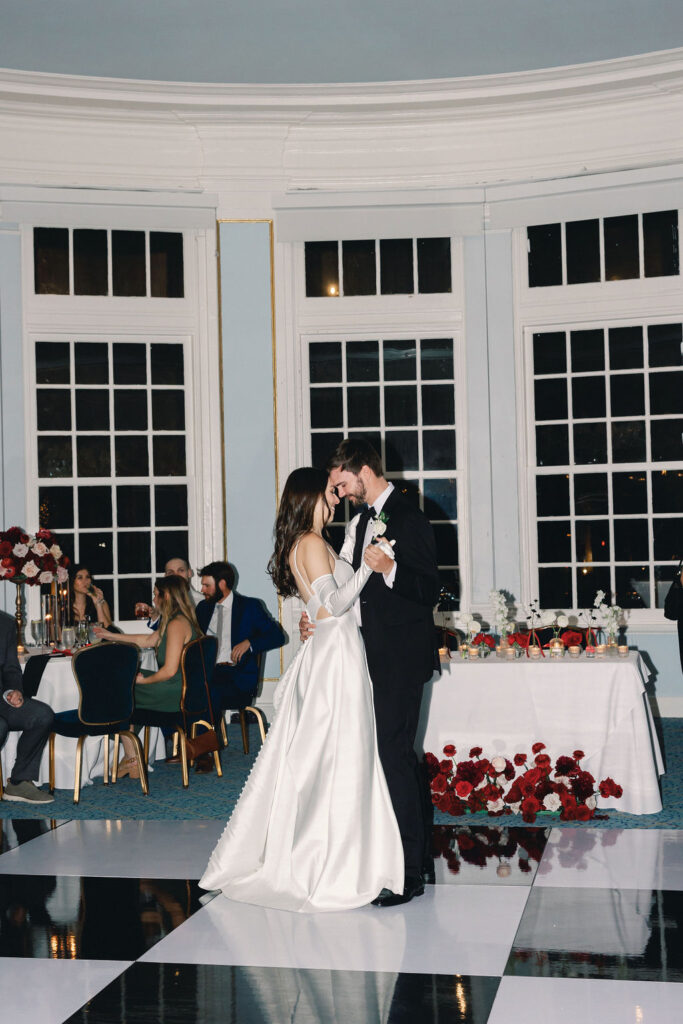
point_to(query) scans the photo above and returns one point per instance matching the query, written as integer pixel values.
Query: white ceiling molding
(87, 208)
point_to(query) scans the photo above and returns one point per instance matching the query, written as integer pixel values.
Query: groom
(395, 616)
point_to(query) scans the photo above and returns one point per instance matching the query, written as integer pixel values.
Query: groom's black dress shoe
(428, 873)
(387, 898)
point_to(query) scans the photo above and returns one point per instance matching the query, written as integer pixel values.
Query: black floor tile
(495, 852)
(71, 917)
(15, 831)
(203, 994)
(625, 934)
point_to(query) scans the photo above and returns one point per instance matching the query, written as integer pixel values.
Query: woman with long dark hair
(314, 829)
(88, 601)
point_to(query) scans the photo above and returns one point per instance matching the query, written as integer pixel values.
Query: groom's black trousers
(397, 711)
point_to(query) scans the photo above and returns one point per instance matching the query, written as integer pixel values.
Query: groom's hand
(306, 628)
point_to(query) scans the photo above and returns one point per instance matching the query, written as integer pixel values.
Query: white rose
(498, 764)
(62, 574)
(495, 805)
(39, 549)
(30, 570)
(552, 802)
(562, 621)
(379, 528)
(591, 803)
(45, 577)
(3, 571)
(547, 618)
(56, 551)
(20, 550)
(515, 807)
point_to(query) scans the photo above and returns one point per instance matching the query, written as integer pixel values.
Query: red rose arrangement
(497, 787)
(484, 638)
(25, 558)
(478, 845)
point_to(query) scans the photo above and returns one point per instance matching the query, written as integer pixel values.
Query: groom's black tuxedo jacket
(398, 624)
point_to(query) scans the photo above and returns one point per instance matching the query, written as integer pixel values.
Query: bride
(314, 828)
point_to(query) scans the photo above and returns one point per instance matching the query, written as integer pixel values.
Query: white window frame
(563, 308)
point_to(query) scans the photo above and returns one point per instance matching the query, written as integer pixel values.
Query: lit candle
(501, 651)
(511, 654)
(535, 653)
(623, 650)
(574, 651)
(601, 650)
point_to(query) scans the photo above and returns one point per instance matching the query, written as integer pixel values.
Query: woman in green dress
(160, 690)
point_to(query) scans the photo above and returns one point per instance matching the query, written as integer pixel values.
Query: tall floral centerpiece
(31, 559)
(501, 616)
(612, 617)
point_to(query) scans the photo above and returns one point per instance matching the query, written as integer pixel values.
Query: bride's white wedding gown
(314, 829)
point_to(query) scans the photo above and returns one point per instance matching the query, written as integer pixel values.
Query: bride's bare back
(309, 559)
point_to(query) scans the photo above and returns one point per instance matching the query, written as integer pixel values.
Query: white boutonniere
(379, 525)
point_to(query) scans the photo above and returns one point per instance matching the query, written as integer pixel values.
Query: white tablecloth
(598, 706)
(58, 689)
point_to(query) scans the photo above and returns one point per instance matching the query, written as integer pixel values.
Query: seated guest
(87, 600)
(174, 567)
(244, 630)
(31, 717)
(160, 690)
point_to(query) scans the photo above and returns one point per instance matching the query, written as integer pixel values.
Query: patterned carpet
(211, 797)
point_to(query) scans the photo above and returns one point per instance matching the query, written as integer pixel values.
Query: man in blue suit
(244, 630)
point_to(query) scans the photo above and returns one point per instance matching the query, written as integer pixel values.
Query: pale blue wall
(12, 471)
(247, 341)
(310, 41)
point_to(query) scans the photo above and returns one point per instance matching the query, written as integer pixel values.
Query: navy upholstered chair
(105, 676)
(196, 662)
(244, 722)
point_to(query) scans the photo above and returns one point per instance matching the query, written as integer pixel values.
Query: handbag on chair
(207, 741)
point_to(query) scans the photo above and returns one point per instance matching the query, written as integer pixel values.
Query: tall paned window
(395, 390)
(608, 461)
(112, 458)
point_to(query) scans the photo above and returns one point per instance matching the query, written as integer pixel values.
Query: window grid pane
(609, 527)
(416, 454)
(131, 488)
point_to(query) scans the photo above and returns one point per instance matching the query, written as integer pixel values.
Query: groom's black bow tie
(363, 520)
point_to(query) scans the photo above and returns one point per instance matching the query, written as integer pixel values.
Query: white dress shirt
(220, 626)
(350, 542)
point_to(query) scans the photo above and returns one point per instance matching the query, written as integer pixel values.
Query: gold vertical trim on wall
(276, 452)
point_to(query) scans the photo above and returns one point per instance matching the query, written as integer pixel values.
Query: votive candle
(623, 651)
(574, 651)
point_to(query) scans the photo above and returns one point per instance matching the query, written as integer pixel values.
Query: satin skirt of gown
(314, 828)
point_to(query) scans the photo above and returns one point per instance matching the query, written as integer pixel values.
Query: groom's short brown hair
(352, 454)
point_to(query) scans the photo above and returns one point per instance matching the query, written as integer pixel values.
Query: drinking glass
(83, 632)
(68, 637)
(141, 610)
(38, 631)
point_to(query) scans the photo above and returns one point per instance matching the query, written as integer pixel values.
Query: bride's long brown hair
(303, 489)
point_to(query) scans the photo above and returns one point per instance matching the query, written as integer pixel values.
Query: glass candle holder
(590, 651)
(601, 650)
(535, 653)
(574, 651)
(511, 654)
(623, 651)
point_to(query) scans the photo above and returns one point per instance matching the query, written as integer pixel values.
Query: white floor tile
(49, 991)
(122, 849)
(634, 858)
(558, 1000)
(451, 929)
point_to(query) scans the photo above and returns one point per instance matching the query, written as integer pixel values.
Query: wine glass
(38, 631)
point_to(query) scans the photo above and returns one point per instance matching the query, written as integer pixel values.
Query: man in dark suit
(33, 718)
(244, 630)
(396, 619)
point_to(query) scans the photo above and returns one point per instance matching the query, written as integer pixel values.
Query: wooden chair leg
(224, 731)
(147, 732)
(261, 719)
(140, 757)
(106, 759)
(51, 760)
(216, 757)
(79, 767)
(183, 758)
(115, 766)
(245, 732)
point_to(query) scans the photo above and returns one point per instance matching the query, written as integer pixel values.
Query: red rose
(474, 752)
(10, 571)
(530, 808)
(578, 754)
(5, 548)
(583, 813)
(522, 640)
(432, 766)
(509, 772)
(568, 814)
(439, 783)
(542, 760)
(608, 787)
(571, 638)
(489, 641)
(445, 767)
(565, 766)
(520, 759)
(514, 794)
(449, 750)
(537, 747)
(582, 785)
(463, 789)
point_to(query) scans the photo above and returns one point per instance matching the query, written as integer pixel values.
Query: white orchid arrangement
(612, 615)
(501, 613)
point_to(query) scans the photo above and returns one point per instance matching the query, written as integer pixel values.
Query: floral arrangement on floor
(495, 786)
(477, 845)
(32, 559)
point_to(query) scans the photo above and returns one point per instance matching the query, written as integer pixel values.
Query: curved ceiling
(310, 41)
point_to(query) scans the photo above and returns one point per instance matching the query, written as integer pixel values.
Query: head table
(595, 705)
(58, 689)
